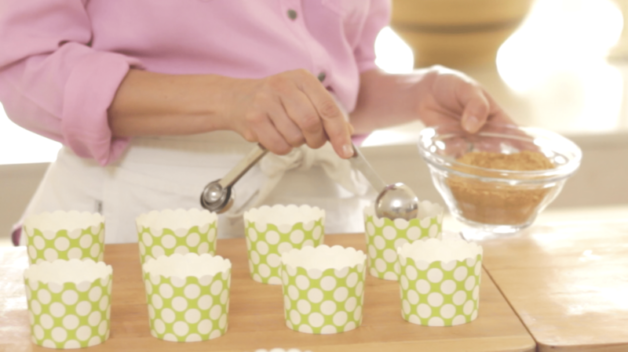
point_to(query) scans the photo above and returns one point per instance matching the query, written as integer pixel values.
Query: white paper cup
(323, 289)
(384, 236)
(64, 235)
(272, 231)
(188, 296)
(440, 281)
(69, 303)
(167, 232)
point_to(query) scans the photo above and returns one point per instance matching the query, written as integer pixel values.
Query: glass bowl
(497, 202)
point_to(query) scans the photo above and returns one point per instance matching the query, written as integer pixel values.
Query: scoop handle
(243, 166)
(359, 162)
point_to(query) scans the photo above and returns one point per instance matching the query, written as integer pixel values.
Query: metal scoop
(217, 195)
(395, 201)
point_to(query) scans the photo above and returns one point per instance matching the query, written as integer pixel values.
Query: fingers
(476, 108)
(267, 134)
(290, 132)
(497, 114)
(479, 110)
(335, 124)
(458, 96)
(305, 118)
(289, 109)
(460, 107)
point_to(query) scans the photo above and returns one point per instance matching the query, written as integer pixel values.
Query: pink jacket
(61, 61)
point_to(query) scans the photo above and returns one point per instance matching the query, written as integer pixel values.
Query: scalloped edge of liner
(361, 258)
(108, 270)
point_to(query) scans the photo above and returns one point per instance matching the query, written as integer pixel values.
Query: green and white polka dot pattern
(266, 241)
(440, 293)
(163, 233)
(64, 235)
(68, 314)
(188, 308)
(324, 301)
(384, 236)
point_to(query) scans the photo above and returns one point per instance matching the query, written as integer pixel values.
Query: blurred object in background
(560, 36)
(556, 64)
(393, 54)
(620, 50)
(457, 33)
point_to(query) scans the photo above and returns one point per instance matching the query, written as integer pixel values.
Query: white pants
(158, 173)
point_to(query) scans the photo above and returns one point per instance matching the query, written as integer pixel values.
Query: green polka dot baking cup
(166, 232)
(384, 236)
(188, 296)
(69, 303)
(440, 281)
(64, 235)
(272, 231)
(323, 289)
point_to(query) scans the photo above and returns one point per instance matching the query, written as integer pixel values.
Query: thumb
(476, 110)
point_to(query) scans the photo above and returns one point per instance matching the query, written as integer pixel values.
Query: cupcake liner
(440, 282)
(166, 232)
(188, 296)
(323, 289)
(69, 303)
(384, 236)
(272, 231)
(64, 235)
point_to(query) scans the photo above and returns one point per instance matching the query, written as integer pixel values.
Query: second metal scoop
(393, 201)
(217, 195)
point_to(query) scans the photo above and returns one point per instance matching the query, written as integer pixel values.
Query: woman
(154, 99)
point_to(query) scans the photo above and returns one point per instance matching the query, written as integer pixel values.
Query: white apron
(158, 173)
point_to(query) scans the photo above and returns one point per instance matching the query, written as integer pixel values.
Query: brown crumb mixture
(499, 203)
(523, 161)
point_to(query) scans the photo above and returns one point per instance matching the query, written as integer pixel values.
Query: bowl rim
(486, 174)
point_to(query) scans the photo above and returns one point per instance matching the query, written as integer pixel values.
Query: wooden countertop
(568, 282)
(256, 315)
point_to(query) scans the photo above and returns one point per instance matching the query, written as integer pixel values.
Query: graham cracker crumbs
(499, 203)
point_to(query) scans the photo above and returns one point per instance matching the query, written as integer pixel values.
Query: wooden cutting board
(568, 282)
(256, 314)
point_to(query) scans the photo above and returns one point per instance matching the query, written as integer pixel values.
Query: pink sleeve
(52, 82)
(377, 18)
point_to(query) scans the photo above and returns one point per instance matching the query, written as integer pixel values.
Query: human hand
(460, 106)
(450, 96)
(288, 110)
